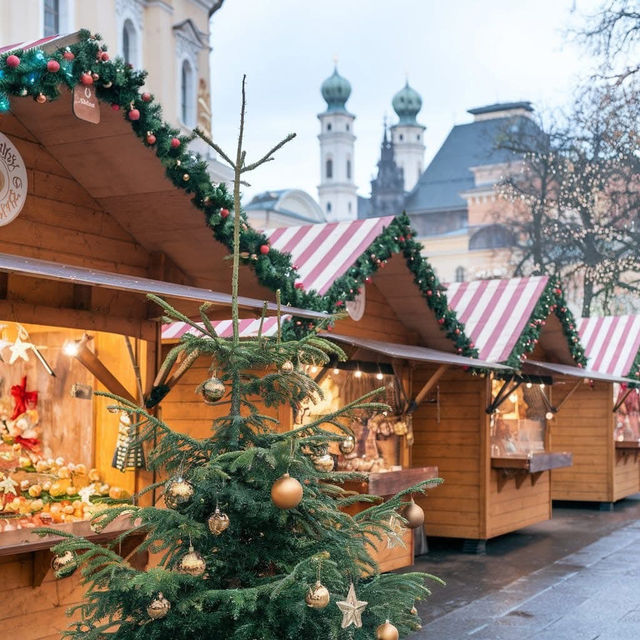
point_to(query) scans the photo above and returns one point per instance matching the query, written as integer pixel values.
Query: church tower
(387, 189)
(337, 189)
(408, 136)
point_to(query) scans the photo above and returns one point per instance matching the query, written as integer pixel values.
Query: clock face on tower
(355, 308)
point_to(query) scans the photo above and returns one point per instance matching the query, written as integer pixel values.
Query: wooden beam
(82, 297)
(569, 394)
(430, 383)
(620, 402)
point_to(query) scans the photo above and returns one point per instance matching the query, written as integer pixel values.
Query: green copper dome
(336, 91)
(406, 103)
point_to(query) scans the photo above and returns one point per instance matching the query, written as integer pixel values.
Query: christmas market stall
(100, 203)
(395, 318)
(601, 423)
(490, 436)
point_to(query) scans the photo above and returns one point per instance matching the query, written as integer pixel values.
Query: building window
(348, 169)
(328, 126)
(328, 207)
(347, 127)
(129, 43)
(329, 168)
(401, 137)
(187, 94)
(460, 274)
(51, 17)
(349, 207)
(418, 137)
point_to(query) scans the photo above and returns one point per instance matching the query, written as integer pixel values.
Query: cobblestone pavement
(576, 577)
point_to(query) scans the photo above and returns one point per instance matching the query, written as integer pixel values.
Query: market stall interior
(602, 420)
(491, 436)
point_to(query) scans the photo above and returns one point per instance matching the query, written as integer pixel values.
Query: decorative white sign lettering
(13, 181)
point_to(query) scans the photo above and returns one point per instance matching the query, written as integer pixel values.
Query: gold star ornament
(352, 609)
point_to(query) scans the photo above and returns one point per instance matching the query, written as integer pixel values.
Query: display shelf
(532, 465)
(627, 448)
(387, 483)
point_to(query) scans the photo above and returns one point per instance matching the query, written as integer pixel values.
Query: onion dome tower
(337, 189)
(408, 135)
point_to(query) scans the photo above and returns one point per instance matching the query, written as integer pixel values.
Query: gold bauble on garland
(414, 515)
(414, 611)
(347, 445)
(287, 366)
(192, 563)
(286, 492)
(158, 607)
(218, 522)
(212, 390)
(64, 564)
(323, 463)
(318, 596)
(177, 492)
(387, 631)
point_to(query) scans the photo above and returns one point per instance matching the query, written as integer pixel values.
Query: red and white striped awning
(324, 252)
(611, 343)
(495, 312)
(248, 328)
(48, 44)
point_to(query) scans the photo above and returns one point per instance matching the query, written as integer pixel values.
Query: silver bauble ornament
(323, 463)
(158, 607)
(177, 492)
(318, 596)
(287, 366)
(192, 563)
(212, 390)
(347, 445)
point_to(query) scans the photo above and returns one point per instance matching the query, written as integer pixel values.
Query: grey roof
(501, 106)
(364, 208)
(269, 200)
(448, 174)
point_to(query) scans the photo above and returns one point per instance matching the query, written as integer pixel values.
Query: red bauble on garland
(146, 97)
(12, 61)
(440, 321)
(115, 106)
(134, 115)
(264, 249)
(151, 139)
(104, 56)
(224, 213)
(86, 79)
(53, 66)
(68, 55)
(175, 143)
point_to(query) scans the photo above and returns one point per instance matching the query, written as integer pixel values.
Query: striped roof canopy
(49, 43)
(611, 343)
(496, 312)
(247, 328)
(323, 252)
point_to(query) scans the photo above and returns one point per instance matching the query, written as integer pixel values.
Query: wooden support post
(93, 364)
(82, 297)
(4, 285)
(569, 394)
(431, 382)
(41, 564)
(620, 402)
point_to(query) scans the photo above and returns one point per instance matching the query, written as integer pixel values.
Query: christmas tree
(251, 542)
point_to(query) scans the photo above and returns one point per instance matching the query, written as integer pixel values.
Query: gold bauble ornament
(318, 596)
(387, 631)
(286, 492)
(287, 366)
(192, 563)
(158, 607)
(414, 611)
(218, 522)
(414, 515)
(212, 390)
(177, 491)
(347, 445)
(323, 463)
(64, 564)
(41, 98)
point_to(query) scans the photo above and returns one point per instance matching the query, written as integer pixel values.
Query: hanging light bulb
(513, 397)
(529, 385)
(336, 372)
(358, 373)
(549, 415)
(542, 386)
(71, 348)
(379, 375)
(314, 369)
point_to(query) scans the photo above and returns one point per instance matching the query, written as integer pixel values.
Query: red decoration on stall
(146, 97)
(53, 66)
(224, 213)
(22, 398)
(264, 249)
(12, 61)
(68, 55)
(86, 79)
(134, 114)
(104, 56)
(151, 139)
(175, 143)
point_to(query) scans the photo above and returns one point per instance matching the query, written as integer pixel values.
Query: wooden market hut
(92, 217)
(397, 319)
(489, 436)
(601, 420)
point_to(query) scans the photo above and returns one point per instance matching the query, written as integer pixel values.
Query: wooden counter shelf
(519, 466)
(24, 541)
(388, 483)
(627, 448)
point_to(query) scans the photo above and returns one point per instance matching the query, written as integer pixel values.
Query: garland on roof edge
(41, 76)
(634, 372)
(551, 301)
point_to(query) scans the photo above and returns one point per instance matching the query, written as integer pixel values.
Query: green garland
(634, 372)
(551, 301)
(42, 76)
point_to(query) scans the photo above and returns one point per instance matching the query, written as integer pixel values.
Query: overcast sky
(457, 54)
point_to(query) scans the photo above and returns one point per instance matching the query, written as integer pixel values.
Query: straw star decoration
(8, 485)
(19, 350)
(395, 535)
(352, 609)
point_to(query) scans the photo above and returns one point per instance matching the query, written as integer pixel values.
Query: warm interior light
(529, 385)
(358, 373)
(336, 372)
(314, 369)
(541, 386)
(71, 348)
(379, 375)
(549, 415)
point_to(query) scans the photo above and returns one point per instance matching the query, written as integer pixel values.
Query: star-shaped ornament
(352, 609)
(395, 537)
(8, 485)
(86, 492)
(19, 350)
